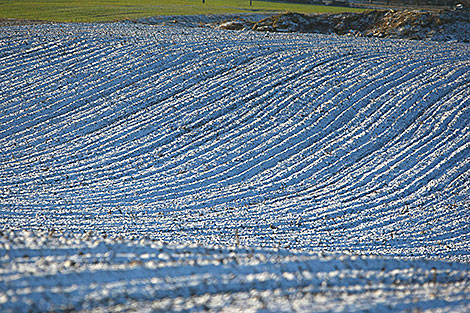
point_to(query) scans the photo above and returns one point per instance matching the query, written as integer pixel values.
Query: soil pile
(406, 24)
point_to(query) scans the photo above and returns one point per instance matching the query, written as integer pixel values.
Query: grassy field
(112, 10)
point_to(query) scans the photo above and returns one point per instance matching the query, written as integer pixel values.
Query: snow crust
(50, 272)
(129, 151)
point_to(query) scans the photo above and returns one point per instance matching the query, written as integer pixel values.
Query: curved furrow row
(386, 166)
(51, 66)
(188, 136)
(307, 171)
(378, 125)
(329, 134)
(267, 126)
(415, 150)
(94, 62)
(264, 127)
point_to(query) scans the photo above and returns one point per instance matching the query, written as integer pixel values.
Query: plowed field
(119, 141)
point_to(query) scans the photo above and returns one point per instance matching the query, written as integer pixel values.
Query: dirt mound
(407, 24)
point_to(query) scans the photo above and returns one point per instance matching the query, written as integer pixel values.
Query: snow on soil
(201, 20)
(133, 156)
(49, 272)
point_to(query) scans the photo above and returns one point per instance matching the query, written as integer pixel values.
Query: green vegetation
(112, 10)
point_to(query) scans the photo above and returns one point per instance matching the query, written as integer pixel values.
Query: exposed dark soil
(443, 25)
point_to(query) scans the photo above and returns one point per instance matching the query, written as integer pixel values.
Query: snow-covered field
(188, 169)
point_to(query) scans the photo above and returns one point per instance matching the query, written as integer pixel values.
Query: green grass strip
(113, 10)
